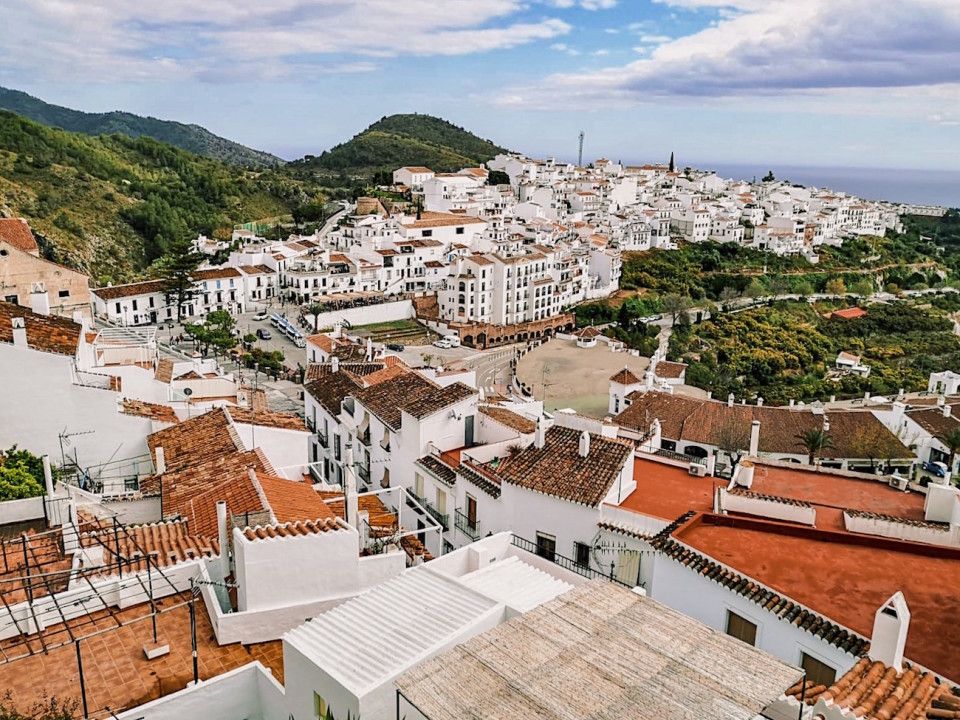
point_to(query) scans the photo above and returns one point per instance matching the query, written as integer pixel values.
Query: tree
(219, 326)
(733, 439)
(754, 289)
(952, 440)
(804, 288)
(31, 462)
(315, 309)
(427, 359)
(863, 288)
(49, 708)
(836, 287)
(16, 482)
(728, 293)
(871, 442)
(778, 286)
(769, 177)
(814, 441)
(175, 269)
(676, 306)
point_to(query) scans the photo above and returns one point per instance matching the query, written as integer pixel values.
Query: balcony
(363, 472)
(432, 511)
(470, 528)
(565, 562)
(364, 437)
(322, 440)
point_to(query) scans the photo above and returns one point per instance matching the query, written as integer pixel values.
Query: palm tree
(952, 441)
(315, 309)
(815, 441)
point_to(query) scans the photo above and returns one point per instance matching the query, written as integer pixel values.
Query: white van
(453, 340)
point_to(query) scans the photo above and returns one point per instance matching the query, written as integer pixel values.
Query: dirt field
(576, 378)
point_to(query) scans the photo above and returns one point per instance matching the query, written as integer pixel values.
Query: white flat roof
(370, 639)
(516, 584)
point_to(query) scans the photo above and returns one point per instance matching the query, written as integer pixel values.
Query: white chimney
(730, 400)
(755, 438)
(940, 401)
(759, 402)
(866, 395)
(744, 476)
(47, 476)
(369, 349)
(833, 398)
(826, 423)
(648, 377)
(540, 435)
(890, 627)
(224, 539)
(584, 444)
(947, 411)
(161, 461)
(39, 299)
(334, 364)
(337, 330)
(19, 332)
(791, 402)
(709, 394)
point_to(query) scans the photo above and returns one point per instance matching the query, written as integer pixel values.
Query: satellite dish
(188, 392)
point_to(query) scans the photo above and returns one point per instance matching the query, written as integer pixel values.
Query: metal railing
(364, 472)
(565, 562)
(364, 437)
(431, 509)
(671, 454)
(322, 439)
(470, 528)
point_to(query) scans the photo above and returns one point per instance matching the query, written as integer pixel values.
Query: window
(441, 502)
(459, 231)
(64, 293)
(117, 308)
(546, 546)
(319, 706)
(418, 484)
(581, 551)
(428, 233)
(819, 673)
(134, 304)
(471, 512)
(741, 628)
(151, 301)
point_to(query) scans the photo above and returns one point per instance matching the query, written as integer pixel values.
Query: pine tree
(175, 268)
(673, 165)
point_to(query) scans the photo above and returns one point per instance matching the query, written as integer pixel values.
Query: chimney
(900, 393)
(826, 423)
(540, 436)
(584, 444)
(759, 402)
(730, 400)
(890, 627)
(39, 299)
(755, 438)
(649, 379)
(47, 476)
(941, 401)
(224, 540)
(337, 330)
(833, 398)
(744, 475)
(791, 402)
(19, 332)
(369, 349)
(709, 394)
(161, 461)
(947, 411)
(334, 364)
(350, 488)
(866, 395)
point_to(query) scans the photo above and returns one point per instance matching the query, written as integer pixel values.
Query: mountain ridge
(190, 137)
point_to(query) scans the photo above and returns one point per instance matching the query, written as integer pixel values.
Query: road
(493, 369)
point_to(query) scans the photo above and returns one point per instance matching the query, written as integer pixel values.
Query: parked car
(443, 343)
(260, 316)
(263, 334)
(395, 347)
(937, 469)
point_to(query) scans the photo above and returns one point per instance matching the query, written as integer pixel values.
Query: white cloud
(945, 118)
(564, 48)
(611, 31)
(777, 47)
(655, 39)
(602, 52)
(585, 4)
(248, 38)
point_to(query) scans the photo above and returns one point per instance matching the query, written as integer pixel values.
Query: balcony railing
(470, 528)
(364, 472)
(322, 439)
(432, 511)
(364, 437)
(565, 562)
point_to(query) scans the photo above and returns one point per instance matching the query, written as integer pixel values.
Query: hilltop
(109, 205)
(400, 140)
(191, 138)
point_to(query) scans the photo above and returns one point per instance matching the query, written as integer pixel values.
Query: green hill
(192, 138)
(109, 205)
(400, 140)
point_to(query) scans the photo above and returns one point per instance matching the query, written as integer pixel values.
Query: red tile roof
(196, 440)
(671, 370)
(154, 411)
(16, 232)
(115, 292)
(47, 333)
(848, 313)
(509, 419)
(267, 418)
(292, 500)
(215, 274)
(625, 377)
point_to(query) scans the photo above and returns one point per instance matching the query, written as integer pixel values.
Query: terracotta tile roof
(388, 399)
(939, 526)
(267, 418)
(509, 419)
(154, 411)
(431, 403)
(291, 529)
(115, 292)
(196, 440)
(670, 370)
(16, 232)
(625, 377)
(388, 373)
(871, 689)
(189, 375)
(350, 353)
(768, 599)
(438, 468)
(330, 389)
(164, 371)
(315, 371)
(169, 542)
(256, 269)
(48, 333)
(480, 476)
(241, 494)
(432, 219)
(588, 332)
(215, 274)
(848, 313)
(44, 555)
(479, 259)
(293, 501)
(934, 421)
(416, 169)
(557, 468)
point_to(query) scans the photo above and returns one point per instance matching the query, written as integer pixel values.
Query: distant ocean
(926, 187)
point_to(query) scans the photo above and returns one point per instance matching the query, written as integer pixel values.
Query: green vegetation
(215, 332)
(21, 476)
(267, 361)
(814, 441)
(111, 205)
(400, 140)
(49, 708)
(627, 328)
(786, 350)
(191, 138)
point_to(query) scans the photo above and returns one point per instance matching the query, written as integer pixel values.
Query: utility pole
(580, 155)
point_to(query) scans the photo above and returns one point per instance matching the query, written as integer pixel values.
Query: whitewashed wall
(385, 312)
(284, 448)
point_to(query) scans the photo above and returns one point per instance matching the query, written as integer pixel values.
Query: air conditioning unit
(698, 470)
(898, 482)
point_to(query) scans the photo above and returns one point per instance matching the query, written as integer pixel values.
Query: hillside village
(407, 528)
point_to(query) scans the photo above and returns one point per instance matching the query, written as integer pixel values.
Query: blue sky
(863, 83)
